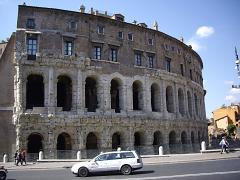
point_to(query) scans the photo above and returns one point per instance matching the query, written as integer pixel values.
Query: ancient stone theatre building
(93, 82)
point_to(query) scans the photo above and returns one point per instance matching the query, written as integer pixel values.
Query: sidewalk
(154, 159)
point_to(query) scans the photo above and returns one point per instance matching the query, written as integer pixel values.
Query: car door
(100, 163)
(114, 161)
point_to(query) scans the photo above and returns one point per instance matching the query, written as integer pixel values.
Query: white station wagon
(123, 161)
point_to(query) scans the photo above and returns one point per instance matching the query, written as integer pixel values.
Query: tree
(231, 128)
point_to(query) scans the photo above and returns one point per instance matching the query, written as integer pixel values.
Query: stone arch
(92, 141)
(138, 138)
(116, 140)
(184, 137)
(116, 95)
(189, 97)
(157, 138)
(137, 91)
(64, 92)
(91, 94)
(34, 144)
(155, 97)
(181, 101)
(169, 99)
(64, 142)
(34, 91)
(192, 137)
(172, 142)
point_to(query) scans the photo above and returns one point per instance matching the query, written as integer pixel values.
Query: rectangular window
(182, 70)
(130, 36)
(150, 41)
(68, 48)
(168, 64)
(120, 34)
(100, 30)
(113, 55)
(97, 52)
(138, 59)
(30, 23)
(150, 61)
(31, 47)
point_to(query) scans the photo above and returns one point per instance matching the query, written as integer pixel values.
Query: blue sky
(211, 26)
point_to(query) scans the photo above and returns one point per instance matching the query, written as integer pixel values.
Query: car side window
(127, 155)
(102, 157)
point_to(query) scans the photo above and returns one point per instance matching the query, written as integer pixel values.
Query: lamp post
(237, 67)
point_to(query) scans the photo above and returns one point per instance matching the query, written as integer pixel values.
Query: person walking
(224, 145)
(24, 157)
(19, 158)
(15, 157)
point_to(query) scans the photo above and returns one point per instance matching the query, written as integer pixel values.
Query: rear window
(127, 155)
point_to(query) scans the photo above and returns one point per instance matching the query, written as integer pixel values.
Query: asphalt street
(208, 170)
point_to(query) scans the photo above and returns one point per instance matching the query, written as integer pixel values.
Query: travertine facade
(92, 81)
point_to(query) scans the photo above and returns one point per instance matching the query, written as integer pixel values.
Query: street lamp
(237, 67)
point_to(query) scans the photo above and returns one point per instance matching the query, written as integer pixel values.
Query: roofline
(89, 14)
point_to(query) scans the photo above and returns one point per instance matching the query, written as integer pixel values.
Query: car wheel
(83, 172)
(126, 170)
(2, 175)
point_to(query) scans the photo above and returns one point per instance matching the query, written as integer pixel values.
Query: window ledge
(107, 61)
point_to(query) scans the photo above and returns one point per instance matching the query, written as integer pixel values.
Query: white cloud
(233, 95)
(204, 31)
(235, 91)
(228, 82)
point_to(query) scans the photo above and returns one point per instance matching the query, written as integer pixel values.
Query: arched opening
(34, 91)
(181, 101)
(116, 140)
(155, 98)
(192, 137)
(115, 100)
(137, 95)
(64, 93)
(34, 143)
(172, 142)
(199, 137)
(64, 142)
(184, 137)
(138, 139)
(157, 141)
(169, 99)
(196, 103)
(92, 145)
(91, 94)
(189, 103)
(64, 145)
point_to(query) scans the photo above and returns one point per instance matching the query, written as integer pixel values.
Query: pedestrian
(15, 157)
(224, 145)
(24, 157)
(19, 158)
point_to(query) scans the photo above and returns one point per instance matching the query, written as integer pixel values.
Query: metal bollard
(203, 146)
(40, 156)
(160, 151)
(79, 155)
(5, 158)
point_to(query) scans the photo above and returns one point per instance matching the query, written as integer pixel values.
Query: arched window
(189, 103)
(192, 137)
(169, 99)
(155, 98)
(92, 142)
(64, 142)
(64, 93)
(137, 95)
(34, 91)
(184, 137)
(138, 139)
(91, 94)
(157, 138)
(115, 93)
(181, 101)
(196, 103)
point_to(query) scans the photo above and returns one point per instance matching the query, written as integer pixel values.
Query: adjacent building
(92, 82)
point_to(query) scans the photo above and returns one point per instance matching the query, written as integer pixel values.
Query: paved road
(209, 170)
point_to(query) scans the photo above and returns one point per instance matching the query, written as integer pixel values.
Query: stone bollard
(203, 146)
(5, 158)
(119, 149)
(160, 151)
(40, 156)
(79, 155)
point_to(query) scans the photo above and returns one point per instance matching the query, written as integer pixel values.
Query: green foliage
(231, 128)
